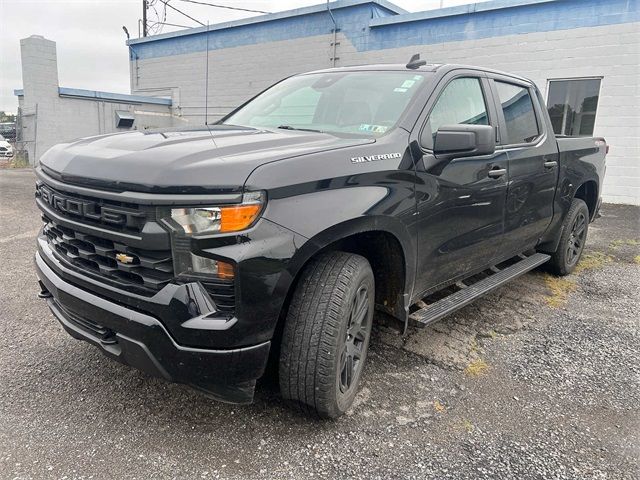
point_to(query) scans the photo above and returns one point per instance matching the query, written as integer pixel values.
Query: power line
(170, 24)
(166, 2)
(225, 6)
(156, 27)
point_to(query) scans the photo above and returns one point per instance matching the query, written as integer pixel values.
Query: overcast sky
(90, 41)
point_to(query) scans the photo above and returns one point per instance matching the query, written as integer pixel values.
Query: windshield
(365, 103)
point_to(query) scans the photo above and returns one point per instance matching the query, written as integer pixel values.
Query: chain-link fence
(23, 145)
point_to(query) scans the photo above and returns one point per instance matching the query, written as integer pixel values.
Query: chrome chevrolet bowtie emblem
(124, 258)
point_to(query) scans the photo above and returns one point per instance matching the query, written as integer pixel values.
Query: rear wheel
(573, 239)
(326, 334)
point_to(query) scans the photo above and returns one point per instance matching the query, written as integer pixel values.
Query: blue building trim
(351, 17)
(385, 8)
(495, 19)
(112, 97)
(459, 10)
(375, 25)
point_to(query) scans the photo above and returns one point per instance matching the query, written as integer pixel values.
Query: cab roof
(433, 67)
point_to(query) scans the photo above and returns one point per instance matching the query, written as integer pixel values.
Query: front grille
(117, 243)
(148, 268)
(98, 212)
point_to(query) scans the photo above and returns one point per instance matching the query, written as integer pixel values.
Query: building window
(572, 105)
(519, 115)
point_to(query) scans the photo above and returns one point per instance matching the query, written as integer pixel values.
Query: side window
(461, 101)
(519, 115)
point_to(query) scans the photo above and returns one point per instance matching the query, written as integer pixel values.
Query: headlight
(190, 224)
(226, 218)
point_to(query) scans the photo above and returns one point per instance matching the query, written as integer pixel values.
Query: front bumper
(142, 341)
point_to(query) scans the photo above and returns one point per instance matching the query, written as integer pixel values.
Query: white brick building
(583, 54)
(51, 114)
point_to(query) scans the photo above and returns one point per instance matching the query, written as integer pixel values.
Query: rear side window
(461, 101)
(519, 114)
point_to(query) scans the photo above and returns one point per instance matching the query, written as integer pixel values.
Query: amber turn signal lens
(235, 218)
(225, 271)
(206, 220)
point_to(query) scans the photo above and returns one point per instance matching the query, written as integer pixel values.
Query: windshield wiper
(289, 127)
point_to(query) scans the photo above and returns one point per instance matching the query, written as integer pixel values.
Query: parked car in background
(6, 149)
(405, 190)
(8, 131)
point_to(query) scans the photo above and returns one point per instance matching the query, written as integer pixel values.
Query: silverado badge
(124, 258)
(375, 158)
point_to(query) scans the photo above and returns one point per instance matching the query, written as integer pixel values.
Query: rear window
(519, 114)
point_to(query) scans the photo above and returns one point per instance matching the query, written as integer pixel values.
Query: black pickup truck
(274, 235)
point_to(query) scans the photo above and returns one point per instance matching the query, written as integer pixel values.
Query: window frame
(569, 79)
(537, 111)
(485, 89)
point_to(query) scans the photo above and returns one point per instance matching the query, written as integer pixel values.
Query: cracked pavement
(538, 380)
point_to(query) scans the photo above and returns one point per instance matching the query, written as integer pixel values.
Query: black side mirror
(454, 141)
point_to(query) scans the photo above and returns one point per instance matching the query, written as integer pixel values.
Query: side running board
(494, 278)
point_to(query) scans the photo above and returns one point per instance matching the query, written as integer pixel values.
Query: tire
(574, 236)
(326, 334)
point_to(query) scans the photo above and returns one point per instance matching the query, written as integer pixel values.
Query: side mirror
(454, 141)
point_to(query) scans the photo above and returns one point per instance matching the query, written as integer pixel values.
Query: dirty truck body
(274, 235)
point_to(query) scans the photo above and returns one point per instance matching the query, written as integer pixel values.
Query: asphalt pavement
(539, 380)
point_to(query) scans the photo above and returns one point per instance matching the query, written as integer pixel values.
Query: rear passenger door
(532, 163)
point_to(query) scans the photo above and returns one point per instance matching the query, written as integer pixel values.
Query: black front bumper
(142, 341)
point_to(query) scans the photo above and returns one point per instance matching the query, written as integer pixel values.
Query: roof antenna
(415, 62)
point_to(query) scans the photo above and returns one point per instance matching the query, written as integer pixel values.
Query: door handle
(550, 164)
(497, 172)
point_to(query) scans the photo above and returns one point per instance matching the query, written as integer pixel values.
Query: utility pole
(144, 18)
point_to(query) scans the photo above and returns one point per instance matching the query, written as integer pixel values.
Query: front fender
(326, 217)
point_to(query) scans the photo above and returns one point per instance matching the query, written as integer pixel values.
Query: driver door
(460, 201)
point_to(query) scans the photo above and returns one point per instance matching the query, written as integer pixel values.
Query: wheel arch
(588, 192)
(383, 242)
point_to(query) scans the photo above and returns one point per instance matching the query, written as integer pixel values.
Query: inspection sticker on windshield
(408, 84)
(365, 127)
(375, 158)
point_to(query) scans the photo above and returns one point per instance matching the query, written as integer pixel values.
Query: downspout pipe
(132, 53)
(335, 34)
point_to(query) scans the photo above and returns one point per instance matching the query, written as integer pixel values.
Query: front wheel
(574, 236)
(326, 334)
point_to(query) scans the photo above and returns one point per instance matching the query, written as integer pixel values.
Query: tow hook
(44, 293)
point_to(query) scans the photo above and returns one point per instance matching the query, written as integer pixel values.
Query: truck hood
(182, 161)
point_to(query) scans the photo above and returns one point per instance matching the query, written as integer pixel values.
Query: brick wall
(235, 74)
